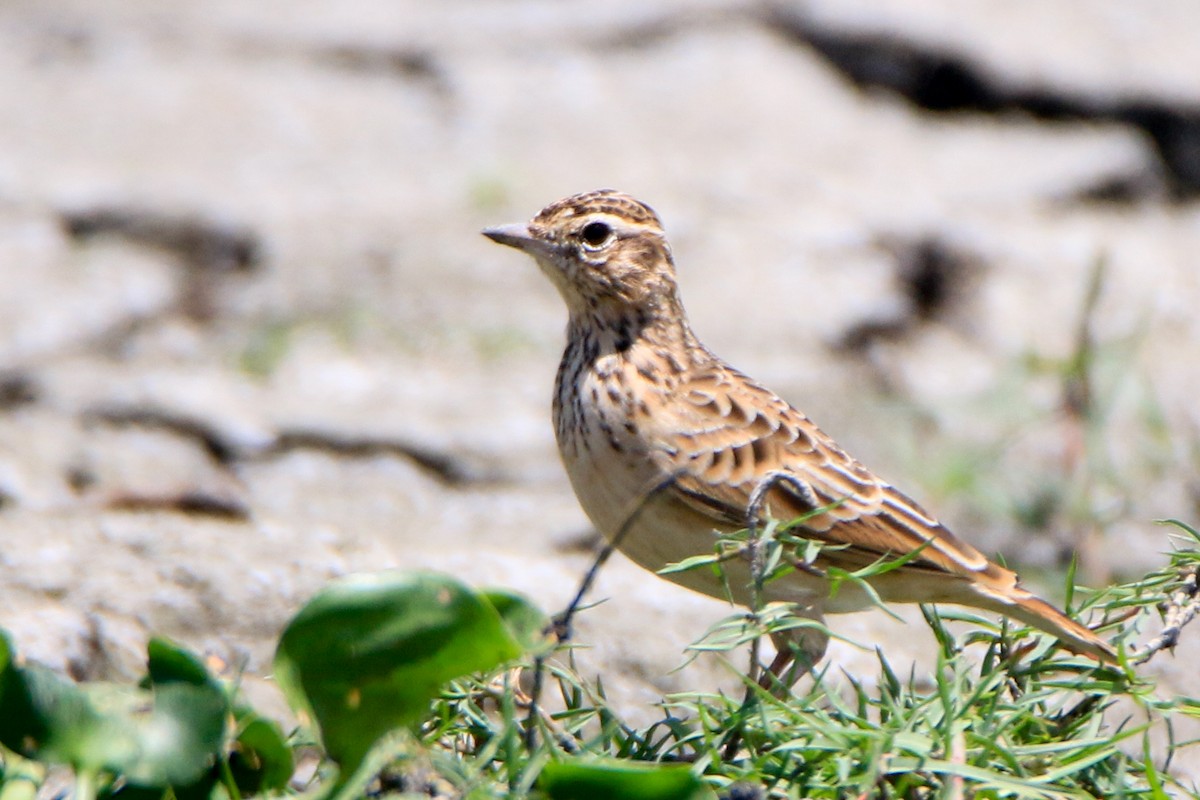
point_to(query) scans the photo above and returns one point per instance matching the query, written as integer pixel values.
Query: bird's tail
(1032, 610)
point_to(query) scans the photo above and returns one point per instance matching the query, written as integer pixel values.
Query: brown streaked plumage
(638, 398)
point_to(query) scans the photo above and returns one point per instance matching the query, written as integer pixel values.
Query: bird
(667, 447)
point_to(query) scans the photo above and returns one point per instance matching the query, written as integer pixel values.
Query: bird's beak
(517, 235)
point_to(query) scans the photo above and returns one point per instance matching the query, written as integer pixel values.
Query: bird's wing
(730, 434)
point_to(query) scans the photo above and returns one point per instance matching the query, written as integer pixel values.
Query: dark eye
(595, 234)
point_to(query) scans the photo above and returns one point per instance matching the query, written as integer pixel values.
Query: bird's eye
(595, 234)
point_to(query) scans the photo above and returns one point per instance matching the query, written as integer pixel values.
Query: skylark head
(603, 250)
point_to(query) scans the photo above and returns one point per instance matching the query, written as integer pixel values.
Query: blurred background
(250, 337)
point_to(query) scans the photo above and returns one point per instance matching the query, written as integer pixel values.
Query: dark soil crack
(939, 81)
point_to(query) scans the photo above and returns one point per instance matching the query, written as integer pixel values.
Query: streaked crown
(599, 202)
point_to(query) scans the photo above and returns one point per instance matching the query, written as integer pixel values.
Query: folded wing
(738, 434)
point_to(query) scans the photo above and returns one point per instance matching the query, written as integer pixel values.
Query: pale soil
(377, 311)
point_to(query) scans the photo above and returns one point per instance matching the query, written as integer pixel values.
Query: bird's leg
(754, 507)
(784, 669)
(773, 677)
(797, 651)
(758, 497)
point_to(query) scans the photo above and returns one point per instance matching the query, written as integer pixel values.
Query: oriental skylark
(640, 402)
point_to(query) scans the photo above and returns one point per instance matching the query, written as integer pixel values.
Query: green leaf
(525, 621)
(261, 760)
(601, 780)
(1181, 525)
(48, 718)
(178, 740)
(369, 652)
(168, 736)
(691, 563)
(169, 662)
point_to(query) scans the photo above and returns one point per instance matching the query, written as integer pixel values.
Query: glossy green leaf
(46, 717)
(525, 621)
(601, 780)
(168, 662)
(178, 739)
(369, 652)
(261, 760)
(168, 736)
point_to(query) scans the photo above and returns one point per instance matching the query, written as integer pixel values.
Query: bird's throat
(599, 332)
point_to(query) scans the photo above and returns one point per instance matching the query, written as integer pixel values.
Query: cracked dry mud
(250, 338)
